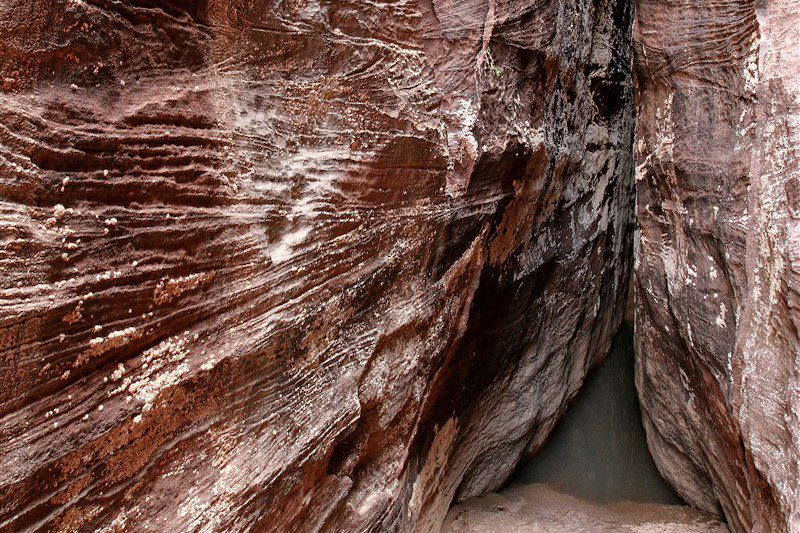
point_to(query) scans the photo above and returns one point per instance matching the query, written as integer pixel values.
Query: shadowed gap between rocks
(598, 451)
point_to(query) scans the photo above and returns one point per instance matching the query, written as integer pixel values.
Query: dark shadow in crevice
(598, 451)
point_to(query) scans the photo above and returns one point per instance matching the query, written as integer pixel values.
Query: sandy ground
(538, 508)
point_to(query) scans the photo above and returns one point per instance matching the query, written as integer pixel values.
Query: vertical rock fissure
(598, 450)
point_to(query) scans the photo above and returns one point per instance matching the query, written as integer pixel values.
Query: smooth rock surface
(718, 253)
(298, 264)
(538, 508)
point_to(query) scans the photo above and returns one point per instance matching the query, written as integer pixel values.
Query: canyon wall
(300, 264)
(717, 273)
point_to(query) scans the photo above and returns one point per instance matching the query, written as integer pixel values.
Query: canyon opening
(399, 265)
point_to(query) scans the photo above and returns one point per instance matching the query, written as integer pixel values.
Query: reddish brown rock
(716, 277)
(297, 264)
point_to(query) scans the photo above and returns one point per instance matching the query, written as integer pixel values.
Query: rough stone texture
(718, 253)
(540, 509)
(299, 264)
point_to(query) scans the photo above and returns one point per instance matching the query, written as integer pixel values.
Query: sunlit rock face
(718, 253)
(300, 265)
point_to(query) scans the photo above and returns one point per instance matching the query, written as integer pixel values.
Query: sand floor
(538, 508)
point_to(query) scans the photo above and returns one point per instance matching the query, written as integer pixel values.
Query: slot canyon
(400, 265)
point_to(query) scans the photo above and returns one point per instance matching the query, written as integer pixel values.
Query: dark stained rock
(718, 125)
(300, 264)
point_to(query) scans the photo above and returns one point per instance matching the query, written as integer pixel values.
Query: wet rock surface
(718, 125)
(538, 508)
(298, 265)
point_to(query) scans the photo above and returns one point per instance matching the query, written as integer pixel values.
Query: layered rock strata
(718, 87)
(298, 264)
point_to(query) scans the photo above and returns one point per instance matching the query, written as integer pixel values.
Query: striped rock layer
(300, 265)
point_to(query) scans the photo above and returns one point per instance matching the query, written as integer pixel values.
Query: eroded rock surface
(278, 265)
(717, 255)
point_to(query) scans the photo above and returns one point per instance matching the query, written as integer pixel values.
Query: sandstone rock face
(718, 253)
(300, 264)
